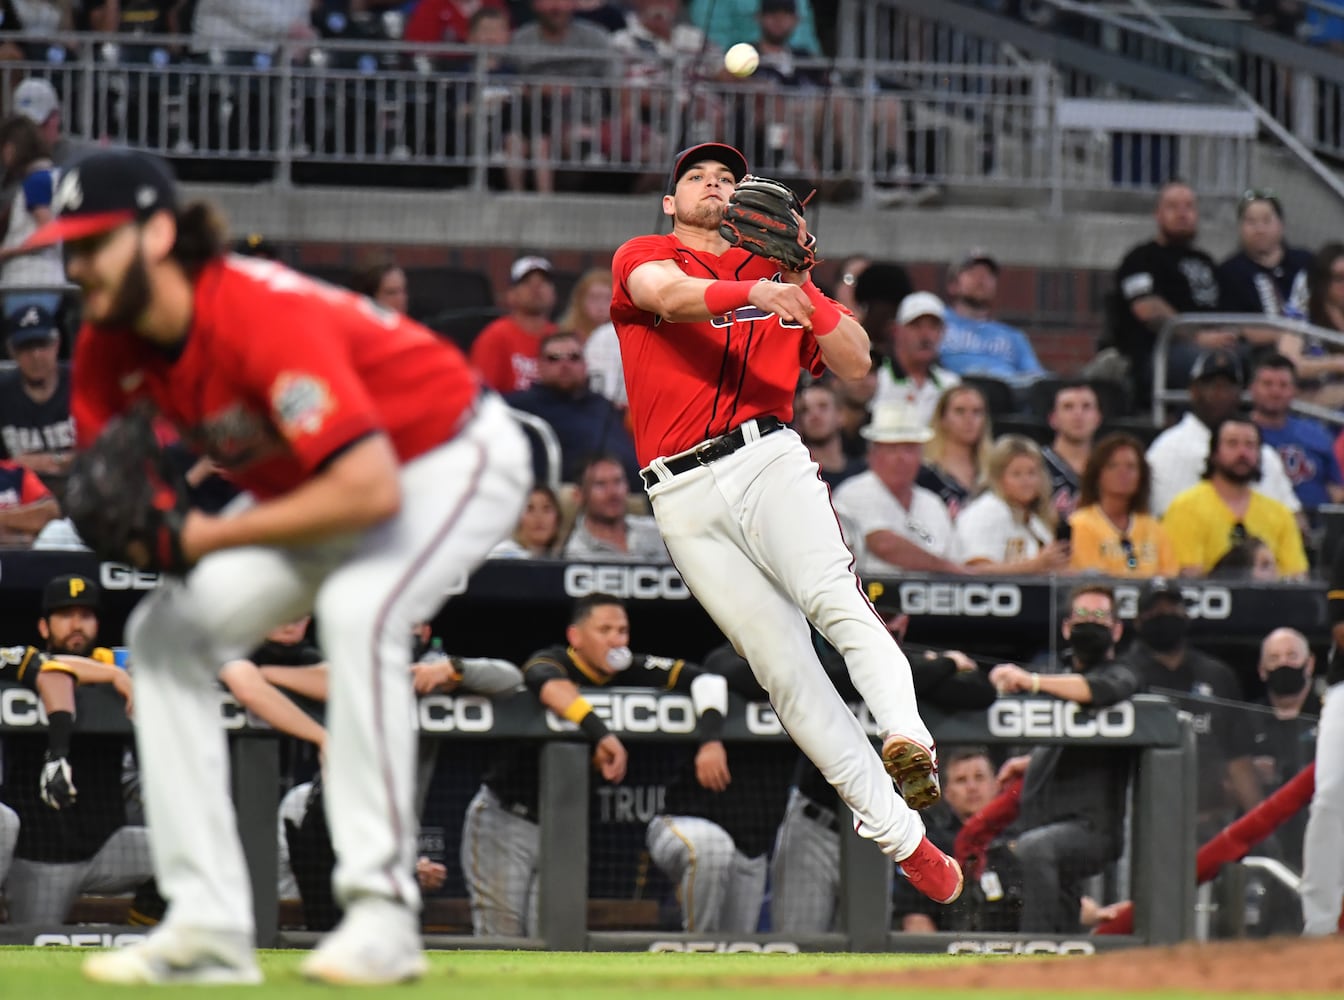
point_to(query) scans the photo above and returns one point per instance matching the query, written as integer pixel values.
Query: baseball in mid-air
(742, 59)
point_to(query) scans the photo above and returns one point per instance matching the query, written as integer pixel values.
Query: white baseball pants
(1323, 844)
(756, 541)
(499, 864)
(458, 501)
(721, 889)
(41, 892)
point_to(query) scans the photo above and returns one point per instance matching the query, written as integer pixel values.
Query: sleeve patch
(1137, 285)
(301, 403)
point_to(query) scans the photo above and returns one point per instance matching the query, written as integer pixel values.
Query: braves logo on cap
(31, 317)
(69, 194)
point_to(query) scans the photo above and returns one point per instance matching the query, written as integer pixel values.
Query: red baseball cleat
(914, 768)
(933, 873)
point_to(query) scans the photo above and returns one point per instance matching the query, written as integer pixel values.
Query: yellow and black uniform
(22, 664)
(1203, 529)
(1097, 544)
(513, 777)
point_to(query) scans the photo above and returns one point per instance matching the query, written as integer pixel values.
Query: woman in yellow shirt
(1112, 531)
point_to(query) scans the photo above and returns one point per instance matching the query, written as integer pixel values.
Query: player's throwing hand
(789, 302)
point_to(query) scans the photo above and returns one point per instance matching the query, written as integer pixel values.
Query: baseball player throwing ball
(715, 320)
(377, 477)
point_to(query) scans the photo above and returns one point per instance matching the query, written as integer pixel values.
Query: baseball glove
(125, 498)
(759, 218)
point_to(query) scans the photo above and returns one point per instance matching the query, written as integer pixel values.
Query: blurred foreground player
(377, 477)
(713, 336)
(1323, 844)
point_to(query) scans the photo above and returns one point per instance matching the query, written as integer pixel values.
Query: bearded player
(377, 476)
(712, 339)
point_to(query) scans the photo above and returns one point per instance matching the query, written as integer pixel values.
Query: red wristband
(825, 314)
(725, 296)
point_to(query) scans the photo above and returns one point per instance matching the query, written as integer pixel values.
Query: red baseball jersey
(688, 382)
(277, 374)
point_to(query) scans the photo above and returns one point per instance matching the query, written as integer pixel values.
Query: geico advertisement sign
(437, 713)
(1028, 719)
(762, 721)
(1205, 602)
(642, 583)
(21, 707)
(636, 712)
(971, 600)
(87, 940)
(1021, 948)
(728, 947)
(119, 576)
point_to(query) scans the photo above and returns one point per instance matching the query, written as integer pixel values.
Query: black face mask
(1164, 633)
(1287, 679)
(1090, 642)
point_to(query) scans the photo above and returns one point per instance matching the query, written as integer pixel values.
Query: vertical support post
(255, 767)
(865, 903)
(562, 863)
(1164, 843)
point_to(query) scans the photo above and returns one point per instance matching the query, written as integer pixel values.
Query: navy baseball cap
(30, 325)
(105, 189)
(717, 151)
(71, 591)
(1217, 363)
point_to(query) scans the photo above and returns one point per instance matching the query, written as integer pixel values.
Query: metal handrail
(1285, 324)
(1105, 16)
(1276, 870)
(550, 444)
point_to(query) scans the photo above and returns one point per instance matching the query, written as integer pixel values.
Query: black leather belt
(825, 817)
(711, 451)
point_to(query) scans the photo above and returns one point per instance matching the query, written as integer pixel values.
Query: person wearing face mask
(1071, 819)
(1166, 664)
(500, 835)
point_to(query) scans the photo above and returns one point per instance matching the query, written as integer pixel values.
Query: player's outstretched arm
(267, 702)
(311, 682)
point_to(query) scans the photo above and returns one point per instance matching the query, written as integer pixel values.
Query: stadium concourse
(1090, 480)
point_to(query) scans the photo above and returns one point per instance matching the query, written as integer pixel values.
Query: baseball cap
(103, 190)
(36, 99)
(717, 151)
(977, 255)
(524, 266)
(896, 423)
(1217, 363)
(71, 591)
(1156, 589)
(779, 6)
(919, 304)
(29, 325)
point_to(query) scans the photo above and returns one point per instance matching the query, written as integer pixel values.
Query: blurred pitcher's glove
(58, 783)
(759, 218)
(125, 498)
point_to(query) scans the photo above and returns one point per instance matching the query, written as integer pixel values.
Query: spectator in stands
(1010, 528)
(132, 17)
(1322, 28)
(1224, 510)
(879, 289)
(856, 395)
(1305, 447)
(36, 429)
(816, 418)
(604, 528)
(1320, 364)
(1166, 663)
(538, 533)
(36, 99)
(1178, 454)
(788, 118)
(1075, 415)
(589, 304)
(896, 525)
(1265, 275)
(975, 344)
(44, 18)
(28, 278)
(505, 352)
(383, 280)
(1112, 532)
(846, 279)
(238, 29)
(84, 845)
(585, 422)
(1072, 818)
(957, 456)
(26, 505)
(1159, 279)
(1251, 561)
(446, 20)
(728, 22)
(912, 375)
(500, 833)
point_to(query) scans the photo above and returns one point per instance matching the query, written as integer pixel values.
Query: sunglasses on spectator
(570, 356)
(1238, 533)
(1101, 616)
(1131, 557)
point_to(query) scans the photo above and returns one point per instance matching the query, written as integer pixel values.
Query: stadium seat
(1000, 397)
(437, 290)
(461, 325)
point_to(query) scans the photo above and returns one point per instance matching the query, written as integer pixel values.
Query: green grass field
(41, 973)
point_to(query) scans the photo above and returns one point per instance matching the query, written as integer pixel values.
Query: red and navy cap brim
(65, 228)
(717, 151)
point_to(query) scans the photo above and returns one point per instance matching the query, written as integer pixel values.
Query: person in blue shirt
(974, 344)
(728, 22)
(1306, 447)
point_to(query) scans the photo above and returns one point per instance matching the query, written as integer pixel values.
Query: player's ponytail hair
(202, 236)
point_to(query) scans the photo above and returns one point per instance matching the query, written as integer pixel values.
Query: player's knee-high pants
(1323, 844)
(755, 539)
(367, 590)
